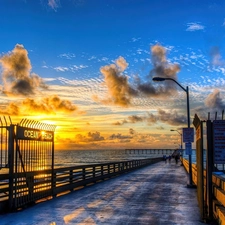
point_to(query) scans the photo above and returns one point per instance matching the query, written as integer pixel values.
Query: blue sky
(88, 67)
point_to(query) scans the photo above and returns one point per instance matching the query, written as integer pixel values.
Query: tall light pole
(181, 144)
(188, 117)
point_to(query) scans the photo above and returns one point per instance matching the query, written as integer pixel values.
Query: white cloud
(79, 67)
(67, 55)
(54, 4)
(135, 39)
(72, 68)
(61, 69)
(194, 27)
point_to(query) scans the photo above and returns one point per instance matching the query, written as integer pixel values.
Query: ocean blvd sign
(25, 133)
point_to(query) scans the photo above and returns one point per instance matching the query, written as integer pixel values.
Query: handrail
(50, 183)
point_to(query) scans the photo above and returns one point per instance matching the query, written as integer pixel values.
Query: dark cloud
(119, 89)
(90, 137)
(132, 131)
(213, 103)
(119, 136)
(135, 118)
(120, 123)
(216, 58)
(161, 68)
(17, 79)
(151, 118)
(214, 100)
(121, 92)
(12, 110)
(172, 118)
(50, 104)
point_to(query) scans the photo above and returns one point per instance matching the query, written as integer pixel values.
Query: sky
(86, 66)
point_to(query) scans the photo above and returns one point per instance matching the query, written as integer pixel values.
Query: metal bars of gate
(33, 153)
(4, 133)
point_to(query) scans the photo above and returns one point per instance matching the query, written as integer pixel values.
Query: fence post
(11, 163)
(209, 168)
(199, 161)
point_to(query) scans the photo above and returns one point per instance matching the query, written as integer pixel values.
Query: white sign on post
(188, 134)
(219, 141)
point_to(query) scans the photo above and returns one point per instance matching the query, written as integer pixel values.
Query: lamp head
(158, 79)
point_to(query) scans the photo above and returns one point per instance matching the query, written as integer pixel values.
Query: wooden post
(209, 168)
(199, 161)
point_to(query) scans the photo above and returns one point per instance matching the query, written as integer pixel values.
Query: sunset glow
(87, 67)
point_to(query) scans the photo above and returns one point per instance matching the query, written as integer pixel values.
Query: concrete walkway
(153, 195)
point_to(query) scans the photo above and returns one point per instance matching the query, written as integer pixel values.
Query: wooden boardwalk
(154, 195)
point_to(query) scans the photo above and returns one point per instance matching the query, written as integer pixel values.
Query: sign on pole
(188, 134)
(219, 141)
(188, 148)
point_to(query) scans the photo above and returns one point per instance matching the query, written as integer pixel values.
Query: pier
(144, 190)
(154, 194)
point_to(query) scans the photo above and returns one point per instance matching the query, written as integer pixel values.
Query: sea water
(66, 158)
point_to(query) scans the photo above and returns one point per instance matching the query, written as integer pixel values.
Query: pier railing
(218, 191)
(37, 185)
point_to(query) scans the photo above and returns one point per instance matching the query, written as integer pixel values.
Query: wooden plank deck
(156, 194)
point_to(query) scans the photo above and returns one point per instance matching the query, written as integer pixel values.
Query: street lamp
(180, 137)
(181, 145)
(188, 116)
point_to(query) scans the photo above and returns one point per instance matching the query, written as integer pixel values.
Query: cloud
(119, 89)
(54, 4)
(214, 100)
(91, 137)
(67, 55)
(132, 131)
(121, 92)
(121, 63)
(171, 117)
(216, 56)
(16, 76)
(194, 27)
(119, 136)
(12, 110)
(72, 68)
(135, 39)
(161, 68)
(135, 118)
(61, 69)
(161, 65)
(49, 105)
(120, 123)
(19, 82)
(213, 103)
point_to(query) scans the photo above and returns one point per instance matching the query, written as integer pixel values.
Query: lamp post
(180, 137)
(181, 145)
(188, 117)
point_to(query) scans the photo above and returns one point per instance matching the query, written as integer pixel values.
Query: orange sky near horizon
(108, 114)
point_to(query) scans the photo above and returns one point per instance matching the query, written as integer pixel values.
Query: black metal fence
(32, 186)
(25, 147)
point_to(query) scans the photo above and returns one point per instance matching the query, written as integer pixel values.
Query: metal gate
(27, 150)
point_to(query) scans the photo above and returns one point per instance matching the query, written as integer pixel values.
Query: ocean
(65, 158)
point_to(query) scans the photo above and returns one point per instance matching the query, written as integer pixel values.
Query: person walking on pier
(176, 158)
